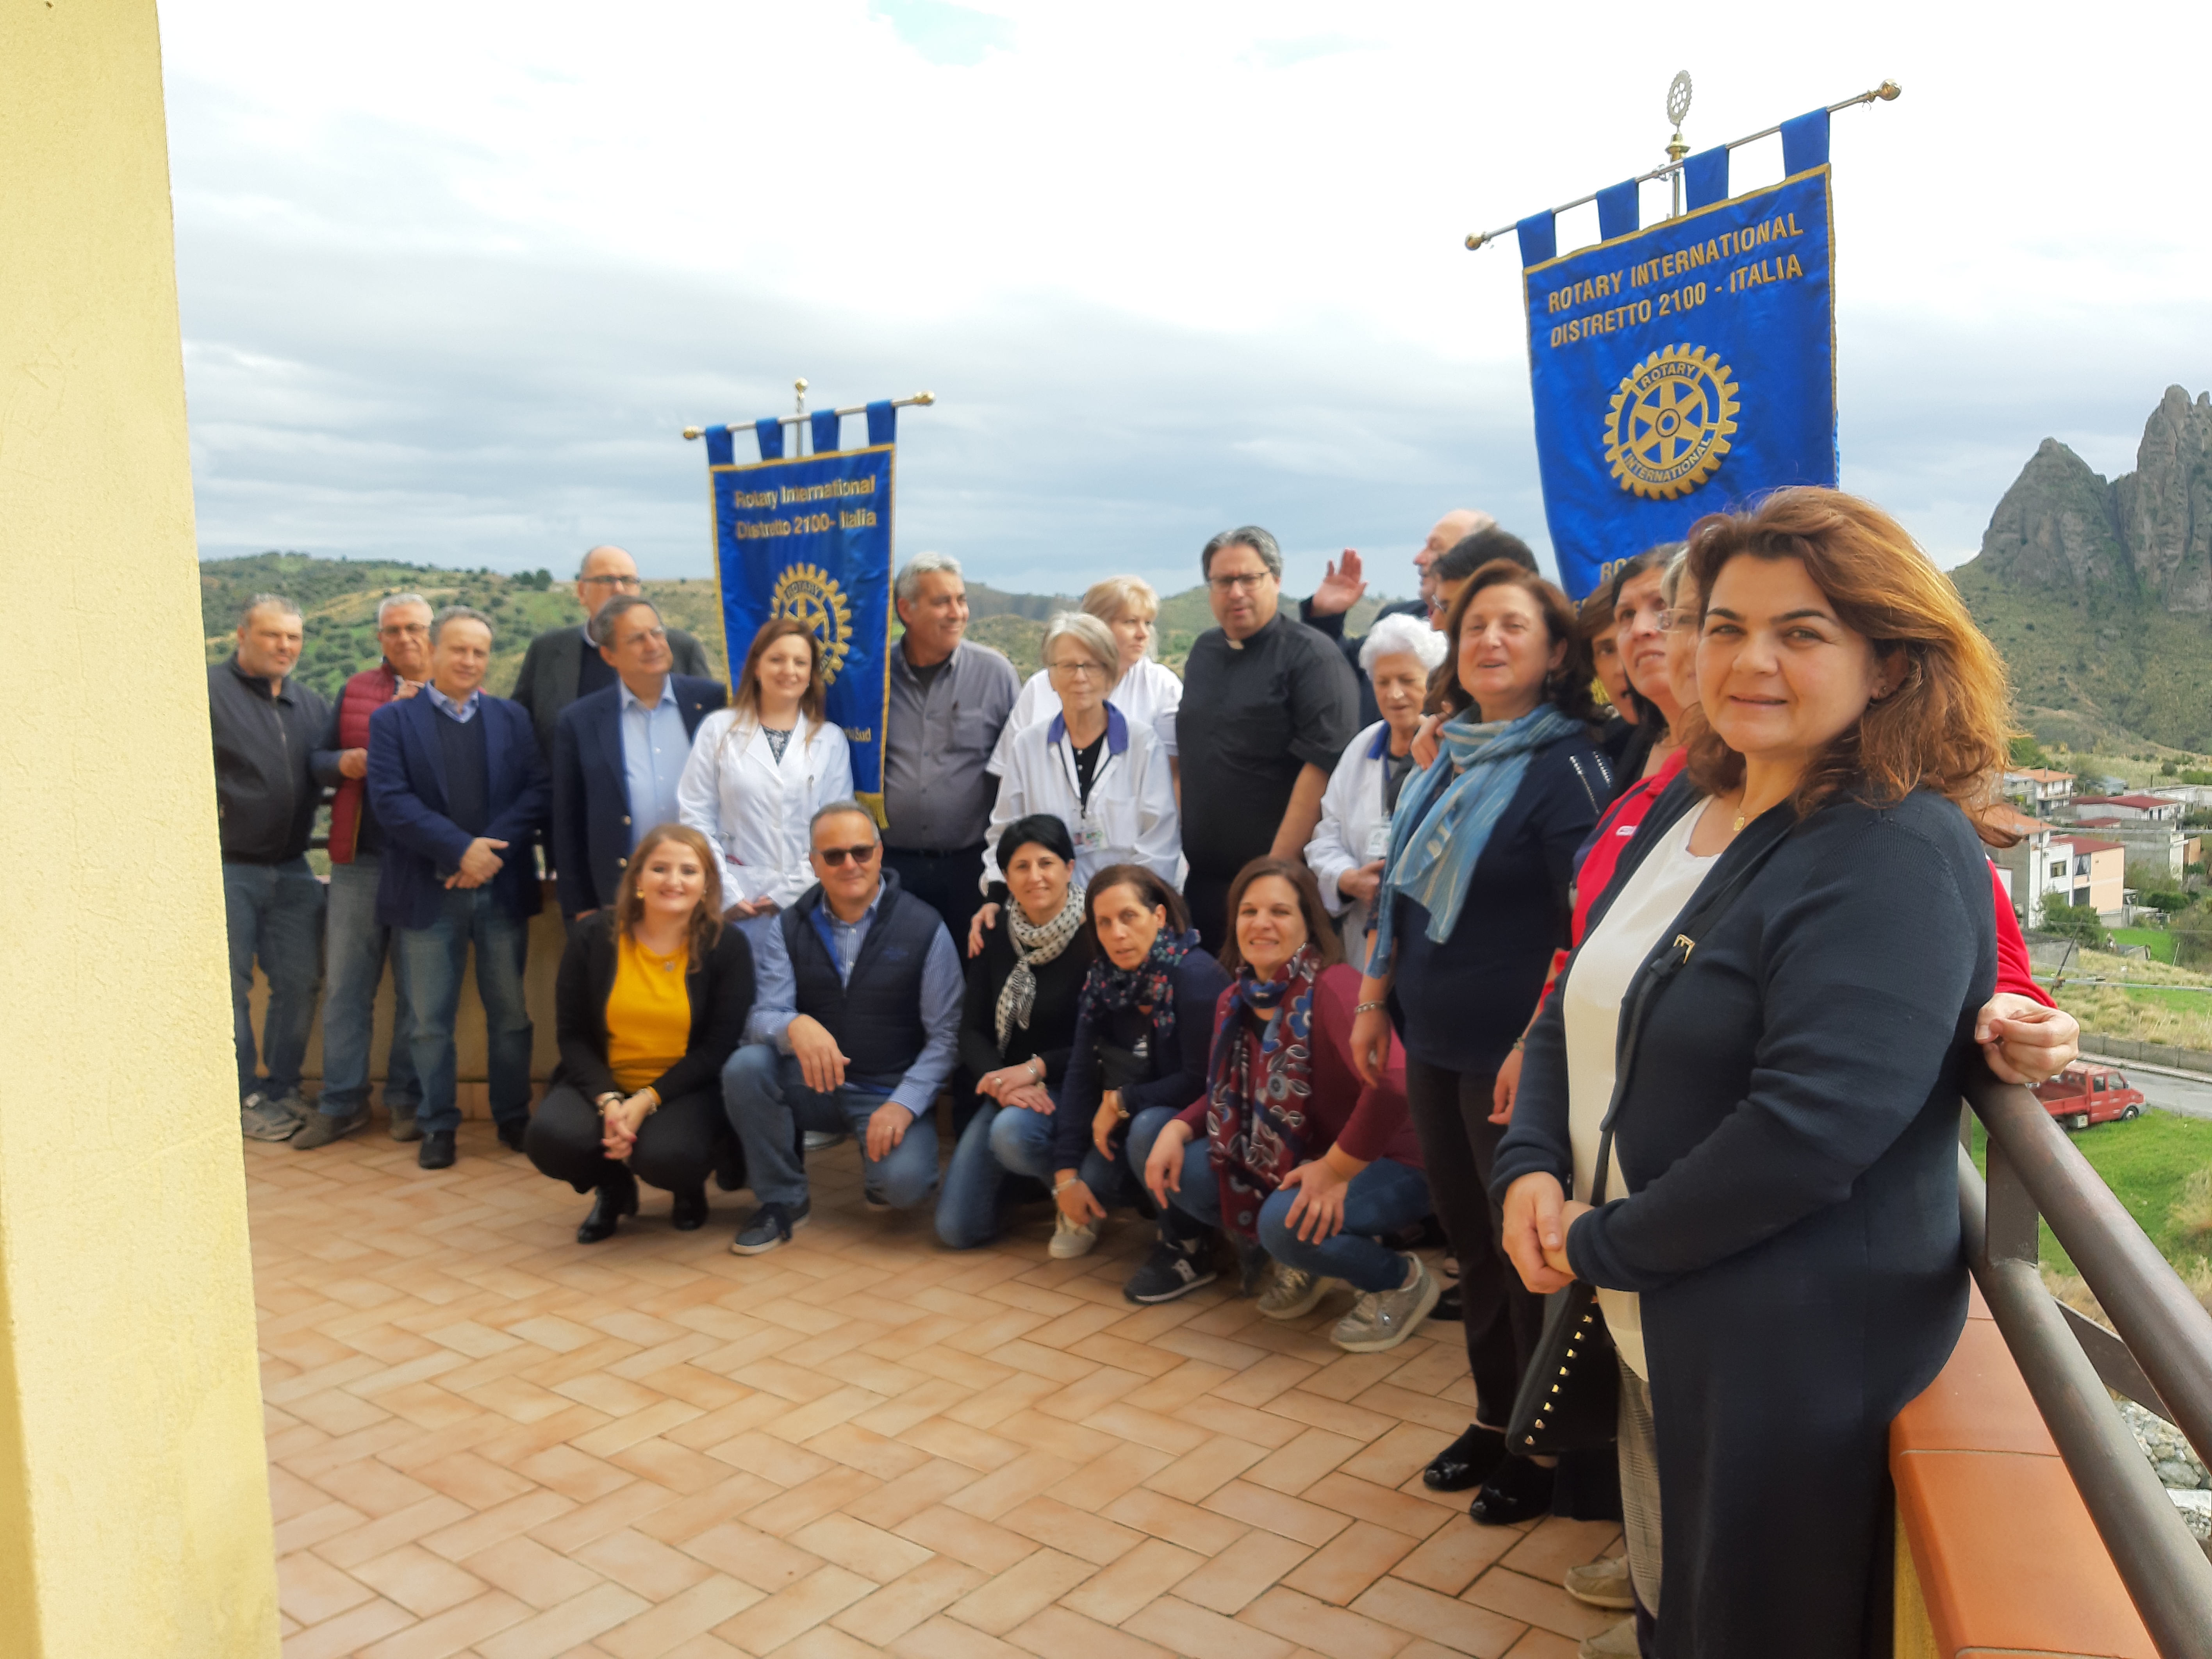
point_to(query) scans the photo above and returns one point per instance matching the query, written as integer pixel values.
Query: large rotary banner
(1682, 368)
(810, 538)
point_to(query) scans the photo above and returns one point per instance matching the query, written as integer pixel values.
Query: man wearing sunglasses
(564, 664)
(855, 1028)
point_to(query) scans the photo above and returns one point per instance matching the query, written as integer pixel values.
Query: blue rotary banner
(810, 538)
(1682, 368)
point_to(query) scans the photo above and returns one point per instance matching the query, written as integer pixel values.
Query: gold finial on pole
(1888, 91)
(1678, 107)
(925, 398)
(695, 432)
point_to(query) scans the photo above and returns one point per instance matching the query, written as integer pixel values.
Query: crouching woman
(1289, 1151)
(653, 996)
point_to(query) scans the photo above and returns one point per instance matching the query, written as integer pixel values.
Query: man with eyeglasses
(355, 945)
(1268, 705)
(618, 754)
(855, 1028)
(564, 664)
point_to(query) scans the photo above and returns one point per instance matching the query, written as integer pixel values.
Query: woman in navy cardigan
(1778, 1254)
(1476, 898)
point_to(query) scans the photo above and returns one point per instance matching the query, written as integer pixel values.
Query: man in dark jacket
(266, 725)
(618, 754)
(564, 664)
(855, 1028)
(460, 794)
(356, 944)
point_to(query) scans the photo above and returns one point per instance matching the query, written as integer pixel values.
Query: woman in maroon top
(1289, 1152)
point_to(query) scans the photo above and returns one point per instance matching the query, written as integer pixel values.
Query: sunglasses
(834, 857)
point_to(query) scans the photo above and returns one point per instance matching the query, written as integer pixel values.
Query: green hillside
(2099, 666)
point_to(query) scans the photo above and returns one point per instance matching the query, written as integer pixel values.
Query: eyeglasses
(834, 857)
(1248, 579)
(1079, 670)
(643, 634)
(628, 584)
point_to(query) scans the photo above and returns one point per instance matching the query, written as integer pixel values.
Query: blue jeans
(770, 1105)
(435, 959)
(1145, 1129)
(999, 1145)
(1380, 1198)
(355, 945)
(273, 913)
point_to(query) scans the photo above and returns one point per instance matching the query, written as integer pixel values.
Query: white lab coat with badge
(1131, 818)
(1148, 694)
(755, 808)
(1354, 829)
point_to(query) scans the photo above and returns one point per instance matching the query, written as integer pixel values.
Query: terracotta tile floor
(486, 1440)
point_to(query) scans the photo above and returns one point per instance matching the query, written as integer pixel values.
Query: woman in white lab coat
(1346, 853)
(1101, 772)
(1147, 693)
(759, 769)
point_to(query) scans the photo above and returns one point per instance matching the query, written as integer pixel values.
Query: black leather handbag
(1569, 1396)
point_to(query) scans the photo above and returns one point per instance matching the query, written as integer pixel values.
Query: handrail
(2163, 1349)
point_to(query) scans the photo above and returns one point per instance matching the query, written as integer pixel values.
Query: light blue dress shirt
(776, 998)
(463, 712)
(655, 749)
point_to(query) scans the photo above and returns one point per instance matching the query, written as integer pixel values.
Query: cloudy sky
(454, 277)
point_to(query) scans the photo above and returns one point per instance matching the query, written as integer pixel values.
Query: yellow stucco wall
(134, 1510)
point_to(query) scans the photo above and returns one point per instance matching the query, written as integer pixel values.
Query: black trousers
(677, 1147)
(1207, 896)
(950, 883)
(1502, 1317)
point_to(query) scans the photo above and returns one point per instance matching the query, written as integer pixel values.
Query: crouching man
(854, 1030)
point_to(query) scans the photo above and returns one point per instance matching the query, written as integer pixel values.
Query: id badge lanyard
(1089, 836)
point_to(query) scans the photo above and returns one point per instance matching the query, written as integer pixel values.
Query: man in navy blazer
(619, 753)
(458, 786)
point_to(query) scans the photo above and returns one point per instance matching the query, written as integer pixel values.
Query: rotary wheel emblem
(810, 595)
(1670, 422)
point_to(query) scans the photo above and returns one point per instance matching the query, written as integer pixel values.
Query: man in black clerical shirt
(1269, 705)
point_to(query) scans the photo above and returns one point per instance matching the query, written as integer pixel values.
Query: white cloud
(454, 277)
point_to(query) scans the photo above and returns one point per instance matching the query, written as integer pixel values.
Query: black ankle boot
(1516, 1491)
(1467, 1461)
(617, 1198)
(687, 1213)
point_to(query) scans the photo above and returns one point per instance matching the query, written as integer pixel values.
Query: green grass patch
(2156, 940)
(2147, 1164)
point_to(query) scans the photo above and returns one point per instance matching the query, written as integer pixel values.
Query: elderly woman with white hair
(1094, 767)
(1146, 692)
(1346, 854)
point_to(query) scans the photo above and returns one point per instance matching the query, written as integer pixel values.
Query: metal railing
(2161, 1357)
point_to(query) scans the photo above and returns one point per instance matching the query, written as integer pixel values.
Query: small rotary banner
(810, 537)
(1679, 368)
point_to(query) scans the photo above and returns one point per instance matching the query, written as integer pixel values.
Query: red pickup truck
(2082, 1094)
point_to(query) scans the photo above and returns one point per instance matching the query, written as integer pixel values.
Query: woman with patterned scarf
(1141, 1035)
(1476, 894)
(1017, 1030)
(1289, 1153)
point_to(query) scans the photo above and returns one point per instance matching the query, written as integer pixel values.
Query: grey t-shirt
(942, 728)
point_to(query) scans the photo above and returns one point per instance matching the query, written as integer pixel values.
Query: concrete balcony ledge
(1995, 1554)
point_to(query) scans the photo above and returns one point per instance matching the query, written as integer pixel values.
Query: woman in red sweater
(1289, 1152)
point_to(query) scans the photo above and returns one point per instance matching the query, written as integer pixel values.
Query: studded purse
(1569, 1396)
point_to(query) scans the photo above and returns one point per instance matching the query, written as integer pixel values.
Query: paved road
(2183, 1096)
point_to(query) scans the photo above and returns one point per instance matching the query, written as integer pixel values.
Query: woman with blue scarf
(1476, 895)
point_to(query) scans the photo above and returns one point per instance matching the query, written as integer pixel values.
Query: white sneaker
(1072, 1238)
(1618, 1643)
(1383, 1319)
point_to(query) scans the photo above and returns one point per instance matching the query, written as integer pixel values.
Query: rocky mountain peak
(2062, 524)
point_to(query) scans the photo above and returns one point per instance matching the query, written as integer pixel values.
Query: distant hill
(337, 598)
(2099, 593)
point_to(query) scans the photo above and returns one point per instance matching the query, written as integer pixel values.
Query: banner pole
(919, 400)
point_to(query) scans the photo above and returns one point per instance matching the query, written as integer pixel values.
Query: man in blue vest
(461, 795)
(855, 1028)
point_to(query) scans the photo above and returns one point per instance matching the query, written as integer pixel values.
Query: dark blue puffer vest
(877, 1018)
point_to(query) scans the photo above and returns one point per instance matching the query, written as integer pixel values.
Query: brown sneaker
(320, 1128)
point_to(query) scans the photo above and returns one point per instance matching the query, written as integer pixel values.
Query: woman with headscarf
(1016, 1030)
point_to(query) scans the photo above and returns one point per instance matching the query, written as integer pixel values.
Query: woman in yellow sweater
(653, 997)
